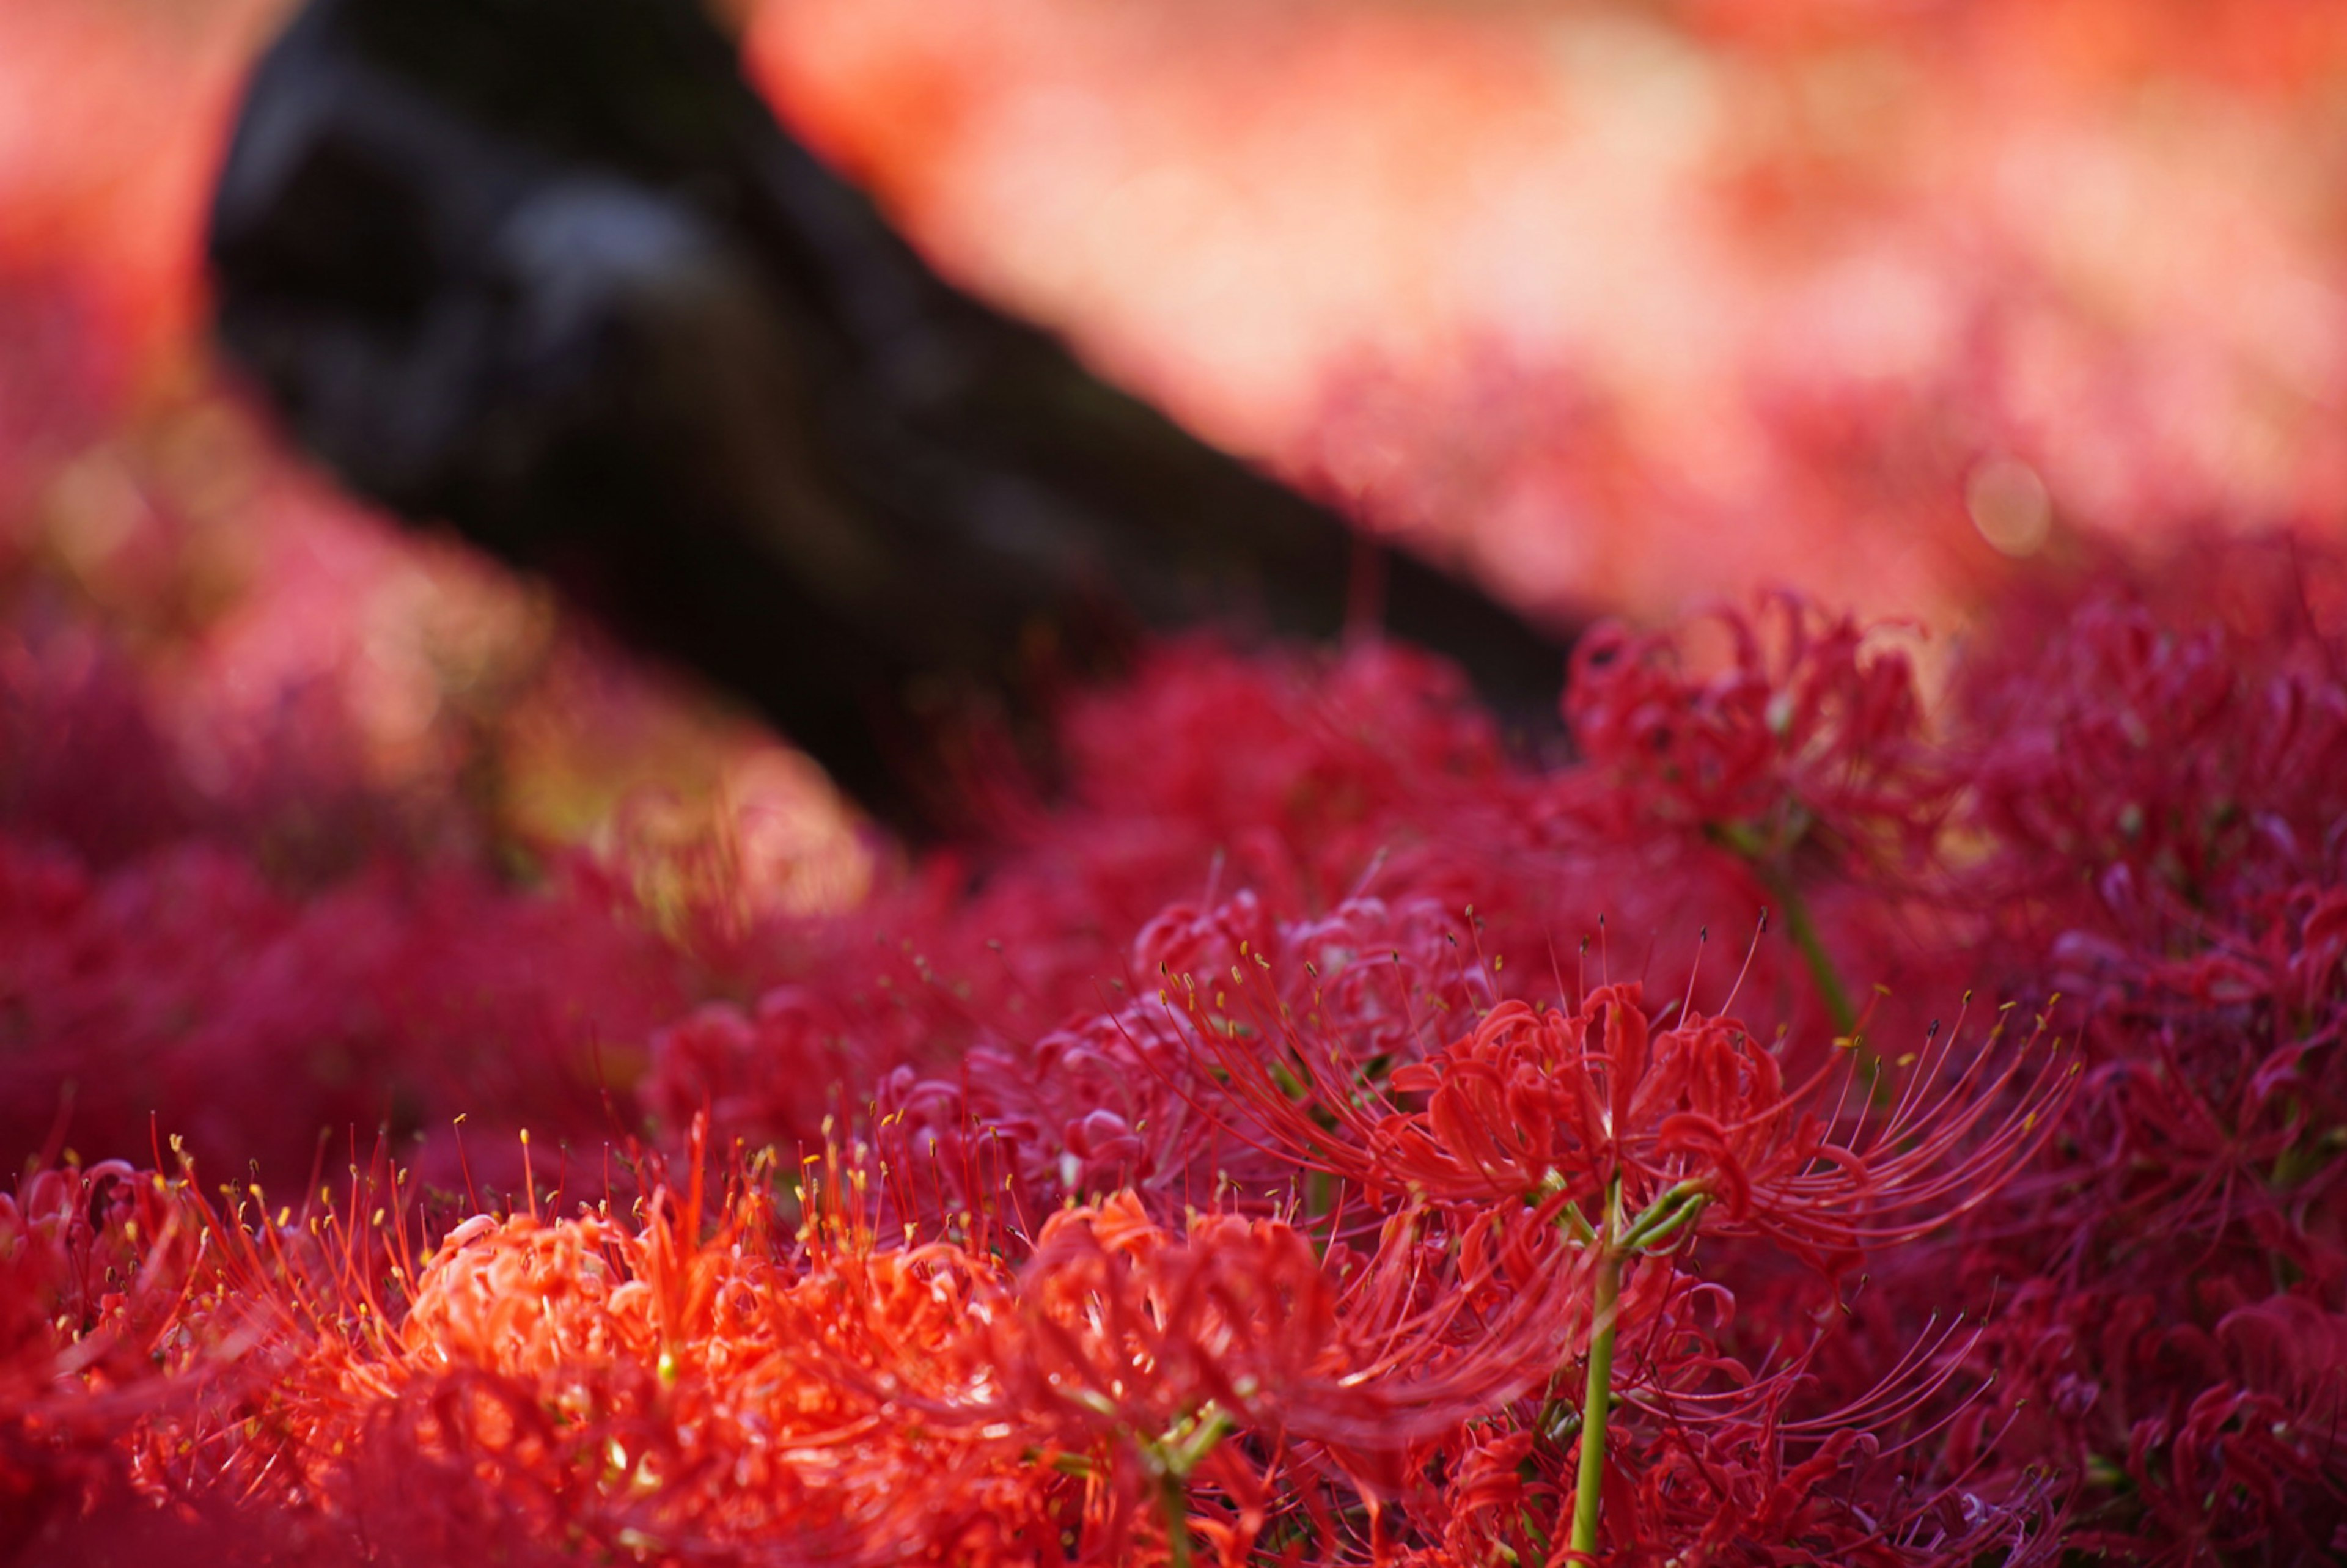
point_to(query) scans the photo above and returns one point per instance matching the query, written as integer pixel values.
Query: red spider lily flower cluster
(184, 979)
(1812, 724)
(1601, 1108)
(2166, 852)
(678, 1388)
(1325, 1140)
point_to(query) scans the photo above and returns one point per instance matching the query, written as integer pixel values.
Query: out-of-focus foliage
(1659, 300)
(1653, 302)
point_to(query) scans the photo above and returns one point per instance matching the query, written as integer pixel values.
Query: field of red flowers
(1879, 1099)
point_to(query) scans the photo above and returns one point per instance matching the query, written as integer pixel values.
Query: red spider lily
(1802, 768)
(1708, 1461)
(2221, 1445)
(636, 1389)
(93, 1265)
(1083, 1111)
(2159, 841)
(2170, 735)
(1112, 1099)
(1809, 726)
(1160, 1365)
(1130, 1333)
(1596, 1124)
(1599, 1106)
(772, 1075)
(184, 985)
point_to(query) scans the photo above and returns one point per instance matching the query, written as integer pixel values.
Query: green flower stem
(1615, 1244)
(1804, 932)
(1595, 1405)
(1672, 1212)
(1175, 1497)
(1768, 861)
(1174, 1460)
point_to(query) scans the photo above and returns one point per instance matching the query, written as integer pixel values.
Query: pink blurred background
(1636, 305)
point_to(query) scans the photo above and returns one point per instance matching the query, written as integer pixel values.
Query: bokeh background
(1646, 304)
